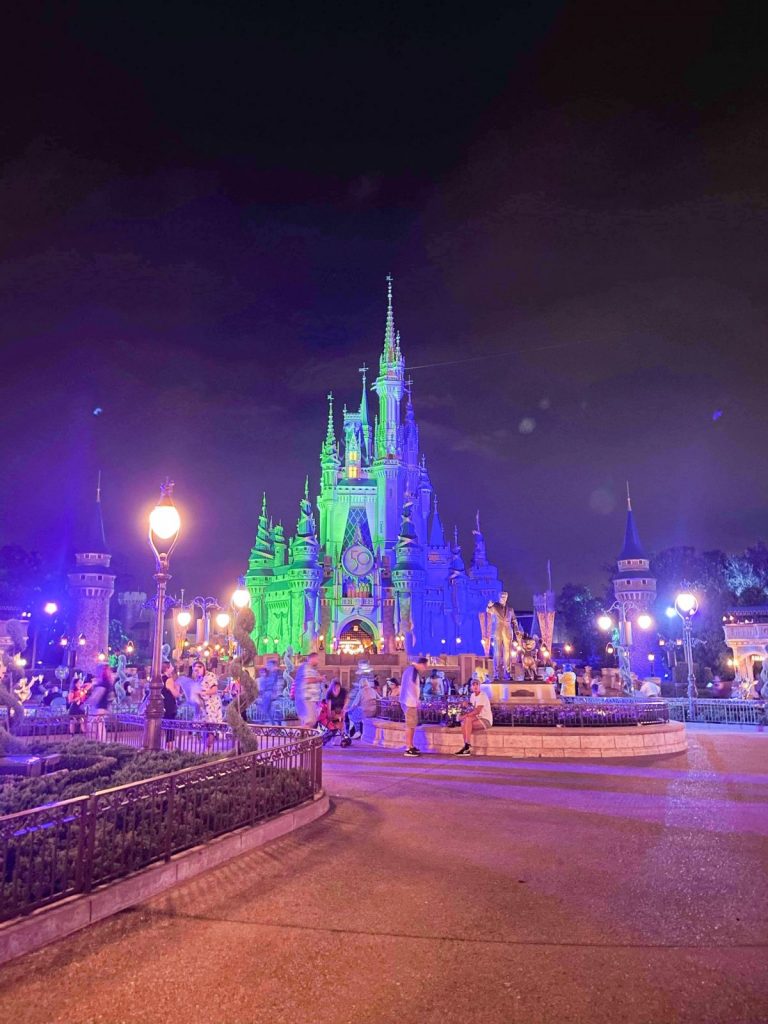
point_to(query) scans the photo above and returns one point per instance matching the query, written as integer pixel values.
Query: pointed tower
(633, 586)
(365, 426)
(436, 533)
(259, 575)
(329, 475)
(92, 586)
(479, 556)
(389, 468)
(635, 591)
(306, 577)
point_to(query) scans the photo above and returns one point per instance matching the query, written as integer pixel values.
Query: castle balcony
(743, 632)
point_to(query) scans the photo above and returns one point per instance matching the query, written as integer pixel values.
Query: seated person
(478, 719)
(336, 699)
(650, 689)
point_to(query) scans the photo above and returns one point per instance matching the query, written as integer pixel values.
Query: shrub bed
(85, 766)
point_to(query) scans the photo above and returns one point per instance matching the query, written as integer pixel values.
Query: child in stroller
(332, 713)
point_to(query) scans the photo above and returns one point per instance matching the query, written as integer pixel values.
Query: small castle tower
(635, 591)
(634, 587)
(92, 586)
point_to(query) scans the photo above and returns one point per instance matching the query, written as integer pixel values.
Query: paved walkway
(442, 890)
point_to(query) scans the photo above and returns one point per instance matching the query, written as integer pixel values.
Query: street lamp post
(241, 598)
(72, 643)
(50, 608)
(686, 607)
(206, 605)
(164, 527)
(624, 638)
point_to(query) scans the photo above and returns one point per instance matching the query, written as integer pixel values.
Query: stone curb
(49, 924)
(544, 742)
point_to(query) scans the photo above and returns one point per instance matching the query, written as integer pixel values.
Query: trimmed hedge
(86, 766)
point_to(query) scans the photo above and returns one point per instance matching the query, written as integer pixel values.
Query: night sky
(199, 204)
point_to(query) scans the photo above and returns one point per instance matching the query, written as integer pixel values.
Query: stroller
(331, 723)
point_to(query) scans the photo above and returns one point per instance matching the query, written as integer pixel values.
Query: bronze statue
(506, 622)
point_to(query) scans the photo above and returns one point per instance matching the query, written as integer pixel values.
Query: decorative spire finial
(98, 487)
(629, 500)
(264, 504)
(329, 434)
(389, 331)
(477, 520)
(306, 488)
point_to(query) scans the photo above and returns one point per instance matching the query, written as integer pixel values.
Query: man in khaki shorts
(410, 695)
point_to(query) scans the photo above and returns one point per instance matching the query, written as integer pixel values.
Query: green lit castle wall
(371, 559)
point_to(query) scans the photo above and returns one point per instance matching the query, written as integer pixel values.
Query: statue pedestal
(523, 692)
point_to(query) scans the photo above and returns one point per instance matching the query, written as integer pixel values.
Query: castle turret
(260, 571)
(633, 586)
(306, 577)
(635, 591)
(479, 556)
(279, 545)
(92, 586)
(436, 533)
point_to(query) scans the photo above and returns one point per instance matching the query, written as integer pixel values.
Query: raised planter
(525, 742)
(49, 924)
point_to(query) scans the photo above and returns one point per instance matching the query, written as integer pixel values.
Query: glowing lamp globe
(604, 622)
(50, 608)
(164, 521)
(101, 656)
(81, 640)
(183, 619)
(644, 621)
(241, 597)
(670, 612)
(222, 620)
(686, 604)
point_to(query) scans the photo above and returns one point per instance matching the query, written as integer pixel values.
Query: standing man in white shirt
(479, 718)
(410, 694)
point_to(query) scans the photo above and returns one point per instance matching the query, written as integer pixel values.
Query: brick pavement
(442, 890)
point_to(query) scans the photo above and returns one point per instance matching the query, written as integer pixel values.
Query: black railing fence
(48, 853)
(609, 711)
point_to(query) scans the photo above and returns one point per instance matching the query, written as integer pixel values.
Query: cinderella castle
(370, 569)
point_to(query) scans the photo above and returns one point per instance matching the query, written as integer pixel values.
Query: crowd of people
(337, 709)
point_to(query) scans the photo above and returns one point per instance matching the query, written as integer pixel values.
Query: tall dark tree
(578, 609)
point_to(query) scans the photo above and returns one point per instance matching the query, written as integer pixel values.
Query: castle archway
(357, 636)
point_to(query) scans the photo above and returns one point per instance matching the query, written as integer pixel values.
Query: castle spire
(364, 397)
(436, 534)
(95, 539)
(389, 330)
(632, 548)
(330, 435)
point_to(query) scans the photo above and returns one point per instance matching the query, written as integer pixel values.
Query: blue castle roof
(632, 546)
